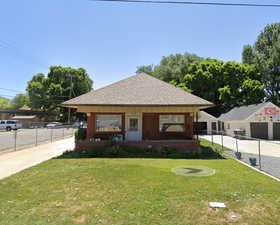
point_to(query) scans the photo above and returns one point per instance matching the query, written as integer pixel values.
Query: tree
(20, 100)
(226, 84)
(174, 67)
(47, 92)
(171, 68)
(145, 69)
(4, 103)
(37, 89)
(266, 52)
(248, 54)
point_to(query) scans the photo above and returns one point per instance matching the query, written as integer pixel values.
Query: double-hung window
(171, 123)
(108, 123)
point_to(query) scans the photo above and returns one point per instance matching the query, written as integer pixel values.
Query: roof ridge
(139, 89)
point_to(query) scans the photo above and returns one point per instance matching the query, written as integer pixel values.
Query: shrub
(80, 134)
(119, 150)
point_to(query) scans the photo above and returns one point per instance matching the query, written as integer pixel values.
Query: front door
(133, 129)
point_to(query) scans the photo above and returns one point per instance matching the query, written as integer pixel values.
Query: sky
(111, 39)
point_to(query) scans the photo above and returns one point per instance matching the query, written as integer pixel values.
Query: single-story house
(142, 110)
(8, 114)
(26, 121)
(258, 121)
(206, 123)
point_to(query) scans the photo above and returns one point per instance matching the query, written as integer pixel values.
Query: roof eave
(140, 105)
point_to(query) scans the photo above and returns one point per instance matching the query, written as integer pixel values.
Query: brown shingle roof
(138, 90)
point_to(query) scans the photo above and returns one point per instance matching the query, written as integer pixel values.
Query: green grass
(138, 192)
(215, 146)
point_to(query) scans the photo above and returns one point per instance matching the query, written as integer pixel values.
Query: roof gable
(243, 112)
(141, 89)
(204, 116)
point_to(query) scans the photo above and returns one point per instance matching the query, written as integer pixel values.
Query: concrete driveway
(268, 148)
(14, 162)
(269, 160)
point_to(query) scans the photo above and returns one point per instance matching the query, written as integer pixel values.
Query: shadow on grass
(123, 151)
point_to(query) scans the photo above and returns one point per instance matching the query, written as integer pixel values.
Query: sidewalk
(268, 148)
(14, 162)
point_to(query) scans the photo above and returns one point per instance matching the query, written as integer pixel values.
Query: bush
(80, 134)
(119, 150)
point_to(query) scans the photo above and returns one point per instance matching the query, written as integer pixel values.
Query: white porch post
(270, 130)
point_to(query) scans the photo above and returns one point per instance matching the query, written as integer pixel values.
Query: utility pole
(70, 92)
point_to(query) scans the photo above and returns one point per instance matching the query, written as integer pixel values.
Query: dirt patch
(80, 219)
(196, 171)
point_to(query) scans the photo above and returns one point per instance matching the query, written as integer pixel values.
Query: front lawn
(137, 191)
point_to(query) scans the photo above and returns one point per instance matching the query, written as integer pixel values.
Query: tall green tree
(226, 84)
(20, 100)
(145, 69)
(248, 55)
(172, 67)
(266, 52)
(5, 103)
(47, 92)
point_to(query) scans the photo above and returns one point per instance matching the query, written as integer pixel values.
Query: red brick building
(141, 110)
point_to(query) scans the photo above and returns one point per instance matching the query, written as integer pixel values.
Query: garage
(259, 130)
(200, 127)
(276, 131)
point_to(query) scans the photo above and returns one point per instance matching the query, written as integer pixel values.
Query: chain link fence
(38, 133)
(259, 153)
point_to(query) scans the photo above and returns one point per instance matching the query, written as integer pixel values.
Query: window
(108, 123)
(172, 123)
(133, 124)
(223, 126)
(2, 122)
(11, 122)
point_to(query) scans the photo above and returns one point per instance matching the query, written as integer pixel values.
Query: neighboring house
(206, 123)
(27, 121)
(140, 109)
(258, 121)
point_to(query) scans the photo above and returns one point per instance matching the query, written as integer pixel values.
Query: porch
(140, 126)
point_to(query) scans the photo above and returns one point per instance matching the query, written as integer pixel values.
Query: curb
(260, 171)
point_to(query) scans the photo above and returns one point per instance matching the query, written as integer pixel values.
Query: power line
(191, 3)
(12, 90)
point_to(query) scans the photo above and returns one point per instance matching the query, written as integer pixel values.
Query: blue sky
(111, 39)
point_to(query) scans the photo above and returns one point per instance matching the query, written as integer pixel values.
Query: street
(29, 137)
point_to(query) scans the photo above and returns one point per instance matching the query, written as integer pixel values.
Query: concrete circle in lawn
(197, 171)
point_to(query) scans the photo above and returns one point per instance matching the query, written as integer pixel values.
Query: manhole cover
(193, 171)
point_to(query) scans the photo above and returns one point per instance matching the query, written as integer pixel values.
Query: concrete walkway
(268, 148)
(13, 162)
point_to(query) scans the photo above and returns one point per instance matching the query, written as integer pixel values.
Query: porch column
(270, 130)
(189, 123)
(123, 126)
(90, 125)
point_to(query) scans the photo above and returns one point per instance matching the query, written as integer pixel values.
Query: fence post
(212, 138)
(51, 134)
(15, 135)
(222, 141)
(236, 143)
(36, 136)
(260, 165)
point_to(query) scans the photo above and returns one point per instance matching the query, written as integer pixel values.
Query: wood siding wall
(151, 127)
(144, 109)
